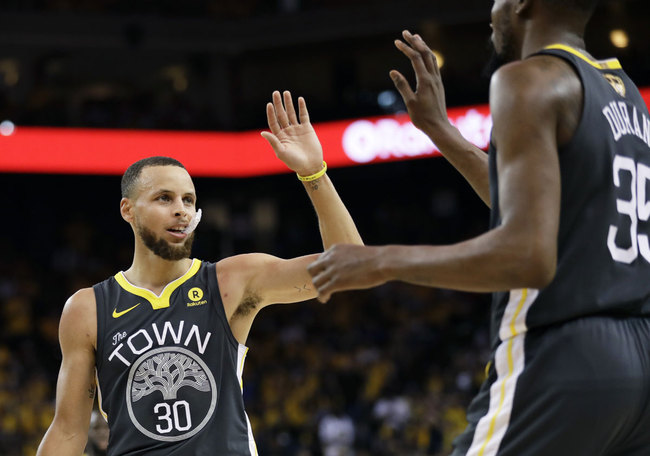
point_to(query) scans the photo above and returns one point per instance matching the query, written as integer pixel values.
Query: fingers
(316, 268)
(414, 56)
(280, 112)
(321, 278)
(418, 44)
(327, 276)
(323, 297)
(272, 119)
(421, 56)
(324, 287)
(288, 104)
(302, 110)
(428, 56)
(402, 86)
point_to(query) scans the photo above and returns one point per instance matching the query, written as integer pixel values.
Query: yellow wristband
(313, 176)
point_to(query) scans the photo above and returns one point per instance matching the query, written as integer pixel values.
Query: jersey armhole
(217, 302)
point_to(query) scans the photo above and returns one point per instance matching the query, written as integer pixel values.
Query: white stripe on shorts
(509, 362)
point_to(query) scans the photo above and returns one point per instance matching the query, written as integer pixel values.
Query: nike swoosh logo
(117, 314)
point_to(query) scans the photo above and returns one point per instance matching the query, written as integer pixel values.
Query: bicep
(266, 279)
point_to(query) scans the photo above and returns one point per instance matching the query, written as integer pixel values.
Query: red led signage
(346, 143)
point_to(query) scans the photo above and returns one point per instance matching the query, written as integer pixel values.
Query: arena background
(381, 372)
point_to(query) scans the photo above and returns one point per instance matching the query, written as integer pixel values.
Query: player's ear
(126, 209)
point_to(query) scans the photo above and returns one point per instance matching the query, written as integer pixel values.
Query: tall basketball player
(568, 252)
(164, 340)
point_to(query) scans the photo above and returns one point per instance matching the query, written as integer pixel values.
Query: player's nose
(179, 208)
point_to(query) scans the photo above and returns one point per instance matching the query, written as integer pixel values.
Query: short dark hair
(132, 173)
(586, 7)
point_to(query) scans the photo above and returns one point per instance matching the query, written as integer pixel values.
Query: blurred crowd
(387, 371)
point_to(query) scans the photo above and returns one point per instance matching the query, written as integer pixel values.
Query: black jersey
(603, 264)
(169, 369)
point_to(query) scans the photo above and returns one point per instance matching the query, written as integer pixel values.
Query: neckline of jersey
(158, 301)
(608, 64)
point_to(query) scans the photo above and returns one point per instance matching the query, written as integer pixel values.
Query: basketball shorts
(579, 388)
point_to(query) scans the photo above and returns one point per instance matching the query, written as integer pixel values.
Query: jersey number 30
(636, 208)
(165, 413)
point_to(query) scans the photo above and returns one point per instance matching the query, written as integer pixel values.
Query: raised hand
(428, 111)
(292, 137)
(426, 106)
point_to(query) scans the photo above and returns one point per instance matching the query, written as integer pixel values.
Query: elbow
(530, 255)
(537, 270)
(540, 275)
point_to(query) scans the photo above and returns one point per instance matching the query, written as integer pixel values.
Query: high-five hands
(292, 137)
(344, 266)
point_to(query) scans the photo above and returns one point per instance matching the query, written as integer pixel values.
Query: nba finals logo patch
(617, 83)
(196, 297)
(171, 394)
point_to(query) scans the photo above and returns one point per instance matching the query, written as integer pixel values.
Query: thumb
(402, 85)
(273, 141)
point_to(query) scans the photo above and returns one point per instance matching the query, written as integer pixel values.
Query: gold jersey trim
(609, 64)
(158, 301)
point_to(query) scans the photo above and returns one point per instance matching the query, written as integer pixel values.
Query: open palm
(292, 137)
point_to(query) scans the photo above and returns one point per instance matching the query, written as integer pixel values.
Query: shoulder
(79, 317)
(540, 78)
(81, 302)
(541, 95)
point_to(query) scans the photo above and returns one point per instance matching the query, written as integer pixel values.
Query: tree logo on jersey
(167, 373)
(170, 394)
(616, 82)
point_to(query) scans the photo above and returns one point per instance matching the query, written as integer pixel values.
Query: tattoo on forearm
(305, 287)
(91, 391)
(314, 185)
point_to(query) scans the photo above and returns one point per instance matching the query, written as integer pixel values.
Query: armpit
(247, 305)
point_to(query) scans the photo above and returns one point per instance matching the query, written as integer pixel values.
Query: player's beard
(499, 57)
(164, 249)
(495, 61)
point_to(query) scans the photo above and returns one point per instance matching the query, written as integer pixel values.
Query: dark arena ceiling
(212, 65)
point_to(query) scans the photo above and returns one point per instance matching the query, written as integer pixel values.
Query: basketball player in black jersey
(164, 340)
(567, 178)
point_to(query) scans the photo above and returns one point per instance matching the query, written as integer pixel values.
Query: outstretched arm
(428, 111)
(75, 391)
(250, 282)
